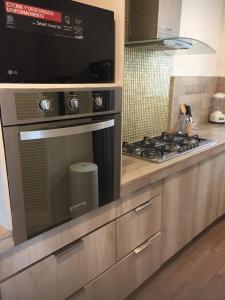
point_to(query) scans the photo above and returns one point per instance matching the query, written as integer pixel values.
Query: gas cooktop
(166, 146)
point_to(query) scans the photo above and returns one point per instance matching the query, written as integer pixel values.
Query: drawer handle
(145, 205)
(143, 247)
(69, 248)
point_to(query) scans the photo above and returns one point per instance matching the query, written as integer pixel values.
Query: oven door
(59, 171)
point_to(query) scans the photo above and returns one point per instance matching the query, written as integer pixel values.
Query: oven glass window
(65, 177)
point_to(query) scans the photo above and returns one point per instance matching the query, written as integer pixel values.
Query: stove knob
(74, 104)
(98, 101)
(45, 105)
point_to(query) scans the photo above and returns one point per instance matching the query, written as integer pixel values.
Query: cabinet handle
(69, 248)
(139, 208)
(143, 247)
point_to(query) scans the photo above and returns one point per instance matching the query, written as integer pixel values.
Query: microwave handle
(65, 131)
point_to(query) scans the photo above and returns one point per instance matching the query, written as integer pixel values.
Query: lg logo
(12, 72)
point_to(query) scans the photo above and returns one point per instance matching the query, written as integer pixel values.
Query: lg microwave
(56, 42)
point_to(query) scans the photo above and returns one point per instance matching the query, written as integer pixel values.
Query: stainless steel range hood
(155, 25)
(176, 45)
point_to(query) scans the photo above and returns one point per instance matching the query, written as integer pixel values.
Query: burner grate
(165, 146)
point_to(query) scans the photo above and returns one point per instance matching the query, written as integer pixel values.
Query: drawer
(81, 262)
(36, 283)
(138, 266)
(138, 225)
(102, 288)
(30, 252)
(137, 198)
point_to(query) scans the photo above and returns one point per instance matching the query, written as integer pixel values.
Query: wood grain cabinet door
(192, 200)
(137, 198)
(36, 283)
(81, 262)
(102, 288)
(138, 225)
(219, 179)
(207, 194)
(138, 266)
(179, 196)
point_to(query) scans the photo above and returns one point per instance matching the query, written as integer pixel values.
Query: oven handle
(66, 131)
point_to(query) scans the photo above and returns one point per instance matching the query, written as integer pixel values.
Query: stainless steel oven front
(62, 153)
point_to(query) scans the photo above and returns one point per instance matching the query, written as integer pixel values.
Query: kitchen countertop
(137, 173)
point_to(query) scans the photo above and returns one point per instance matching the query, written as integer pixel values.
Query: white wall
(221, 62)
(201, 19)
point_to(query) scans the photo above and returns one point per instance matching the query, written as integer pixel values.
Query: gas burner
(132, 148)
(171, 147)
(149, 154)
(165, 147)
(172, 136)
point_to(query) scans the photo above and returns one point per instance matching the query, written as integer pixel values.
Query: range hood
(155, 25)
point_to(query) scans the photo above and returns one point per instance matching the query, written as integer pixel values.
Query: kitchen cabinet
(37, 283)
(179, 192)
(81, 262)
(138, 266)
(109, 262)
(208, 192)
(32, 251)
(192, 199)
(218, 174)
(103, 287)
(68, 270)
(138, 225)
(138, 197)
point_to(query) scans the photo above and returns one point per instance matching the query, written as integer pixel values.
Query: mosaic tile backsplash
(146, 101)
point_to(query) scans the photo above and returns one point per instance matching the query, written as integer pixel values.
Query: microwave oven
(56, 42)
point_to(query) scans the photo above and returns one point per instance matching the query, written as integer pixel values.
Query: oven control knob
(98, 101)
(45, 105)
(74, 104)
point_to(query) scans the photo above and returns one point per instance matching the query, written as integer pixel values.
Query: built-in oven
(62, 153)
